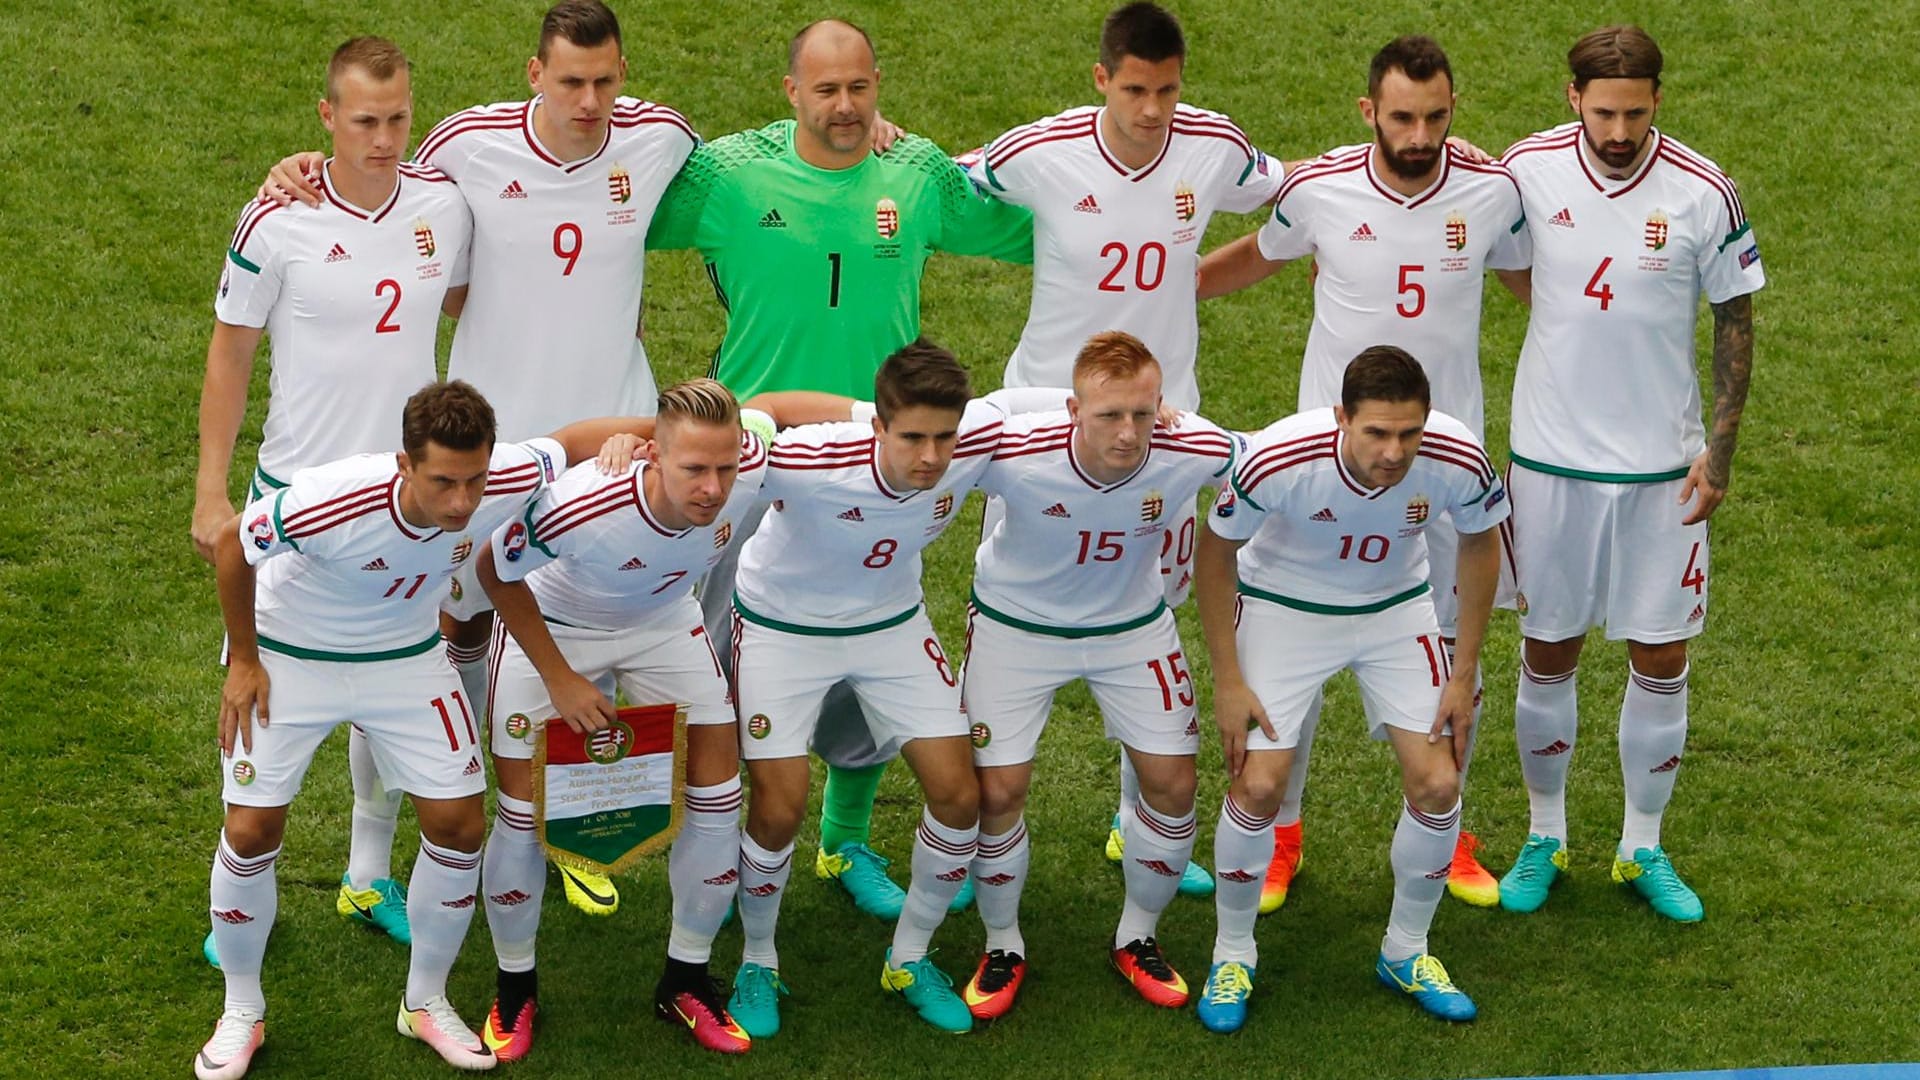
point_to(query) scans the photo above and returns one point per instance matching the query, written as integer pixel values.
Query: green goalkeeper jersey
(819, 269)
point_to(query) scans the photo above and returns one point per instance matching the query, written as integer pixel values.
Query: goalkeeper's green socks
(846, 805)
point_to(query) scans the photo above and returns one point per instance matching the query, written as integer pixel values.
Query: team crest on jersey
(1456, 231)
(722, 534)
(886, 217)
(518, 725)
(458, 593)
(759, 726)
(610, 743)
(1184, 204)
(1657, 230)
(1152, 506)
(243, 773)
(262, 532)
(462, 549)
(423, 238)
(943, 506)
(1418, 509)
(619, 184)
(981, 735)
(515, 545)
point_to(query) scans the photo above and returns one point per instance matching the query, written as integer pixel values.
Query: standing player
(350, 291)
(829, 591)
(1067, 586)
(815, 245)
(1315, 561)
(595, 582)
(1614, 478)
(1401, 232)
(562, 188)
(1121, 194)
(354, 557)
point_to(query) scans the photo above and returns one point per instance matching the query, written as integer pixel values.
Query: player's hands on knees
(1237, 712)
(1700, 482)
(619, 453)
(1456, 711)
(243, 703)
(580, 703)
(886, 133)
(1467, 150)
(295, 177)
(210, 516)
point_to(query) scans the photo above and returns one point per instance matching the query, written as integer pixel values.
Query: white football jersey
(1319, 540)
(355, 580)
(839, 549)
(1117, 248)
(350, 300)
(1396, 269)
(553, 307)
(1072, 554)
(597, 556)
(1606, 387)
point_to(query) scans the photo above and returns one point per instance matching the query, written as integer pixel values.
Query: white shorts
(1614, 555)
(1138, 677)
(1443, 572)
(667, 660)
(1288, 655)
(416, 718)
(899, 674)
(465, 599)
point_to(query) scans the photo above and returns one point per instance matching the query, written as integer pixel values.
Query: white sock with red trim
(703, 869)
(941, 856)
(514, 878)
(1546, 718)
(1158, 848)
(440, 898)
(1242, 848)
(763, 878)
(1653, 736)
(999, 877)
(243, 898)
(1422, 853)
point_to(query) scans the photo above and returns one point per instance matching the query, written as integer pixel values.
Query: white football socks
(1653, 737)
(1242, 848)
(514, 879)
(999, 877)
(763, 877)
(704, 868)
(1158, 848)
(440, 899)
(1422, 852)
(941, 856)
(1546, 717)
(243, 899)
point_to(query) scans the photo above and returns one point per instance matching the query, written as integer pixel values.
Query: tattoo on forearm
(1732, 370)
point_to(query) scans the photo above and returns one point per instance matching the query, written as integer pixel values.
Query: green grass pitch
(131, 132)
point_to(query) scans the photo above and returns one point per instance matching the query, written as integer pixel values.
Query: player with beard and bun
(1401, 232)
(1313, 562)
(1121, 194)
(1614, 477)
(562, 187)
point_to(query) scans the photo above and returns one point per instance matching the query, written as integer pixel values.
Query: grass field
(134, 130)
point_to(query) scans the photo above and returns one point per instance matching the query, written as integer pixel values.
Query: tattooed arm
(1712, 471)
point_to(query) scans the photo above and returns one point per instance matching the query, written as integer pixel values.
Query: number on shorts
(882, 554)
(446, 720)
(1181, 685)
(1694, 578)
(939, 658)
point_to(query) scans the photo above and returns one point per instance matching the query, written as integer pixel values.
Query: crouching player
(595, 584)
(341, 624)
(1315, 560)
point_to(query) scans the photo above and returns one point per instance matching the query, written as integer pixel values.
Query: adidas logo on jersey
(1668, 765)
(1552, 749)
(852, 515)
(1363, 234)
(1087, 205)
(1193, 725)
(1325, 514)
(338, 254)
(1058, 510)
(1564, 219)
(377, 564)
(633, 564)
(473, 767)
(773, 220)
(513, 191)
(1699, 612)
